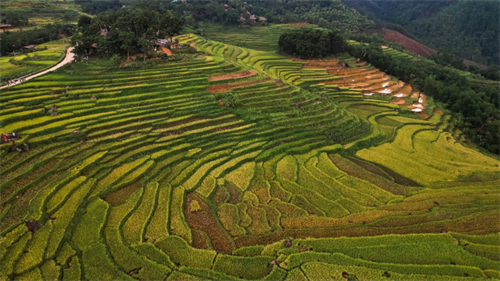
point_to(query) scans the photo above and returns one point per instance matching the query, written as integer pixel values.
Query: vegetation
(125, 30)
(232, 163)
(312, 43)
(464, 28)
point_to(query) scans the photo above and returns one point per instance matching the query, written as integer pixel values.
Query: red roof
(226, 5)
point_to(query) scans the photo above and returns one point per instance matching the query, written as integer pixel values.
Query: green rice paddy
(31, 62)
(298, 181)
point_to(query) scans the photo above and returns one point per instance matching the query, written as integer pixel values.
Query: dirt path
(166, 50)
(67, 59)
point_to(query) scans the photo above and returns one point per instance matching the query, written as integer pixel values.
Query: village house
(5, 26)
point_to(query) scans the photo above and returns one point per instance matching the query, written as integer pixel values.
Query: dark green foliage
(15, 41)
(16, 17)
(95, 7)
(125, 30)
(312, 42)
(335, 13)
(446, 59)
(468, 29)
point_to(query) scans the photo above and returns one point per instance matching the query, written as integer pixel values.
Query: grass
(287, 162)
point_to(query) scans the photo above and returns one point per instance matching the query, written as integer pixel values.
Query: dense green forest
(309, 42)
(124, 30)
(465, 28)
(334, 12)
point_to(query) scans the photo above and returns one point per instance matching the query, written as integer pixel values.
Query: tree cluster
(16, 40)
(94, 7)
(476, 105)
(16, 17)
(307, 42)
(125, 30)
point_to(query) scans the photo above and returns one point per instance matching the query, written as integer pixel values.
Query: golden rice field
(158, 178)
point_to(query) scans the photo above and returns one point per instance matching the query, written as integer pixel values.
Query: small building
(29, 47)
(262, 19)
(252, 18)
(226, 6)
(5, 26)
(103, 32)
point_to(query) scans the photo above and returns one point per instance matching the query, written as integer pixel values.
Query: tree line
(334, 12)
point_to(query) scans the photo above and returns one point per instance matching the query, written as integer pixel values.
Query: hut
(5, 26)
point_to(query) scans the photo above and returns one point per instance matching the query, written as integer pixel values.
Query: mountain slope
(465, 28)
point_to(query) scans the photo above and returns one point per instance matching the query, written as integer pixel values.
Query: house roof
(262, 19)
(29, 47)
(252, 17)
(103, 32)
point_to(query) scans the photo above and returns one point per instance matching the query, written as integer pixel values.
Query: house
(5, 26)
(29, 47)
(262, 19)
(226, 6)
(103, 32)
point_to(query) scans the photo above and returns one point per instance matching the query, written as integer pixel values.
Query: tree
(127, 42)
(233, 17)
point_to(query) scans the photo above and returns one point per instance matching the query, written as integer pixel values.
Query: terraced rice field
(38, 60)
(303, 179)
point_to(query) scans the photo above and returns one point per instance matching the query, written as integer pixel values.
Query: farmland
(47, 54)
(288, 170)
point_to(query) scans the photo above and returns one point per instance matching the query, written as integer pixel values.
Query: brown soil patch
(166, 50)
(234, 193)
(204, 220)
(9, 29)
(219, 196)
(410, 44)
(192, 45)
(226, 87)
(422, 114)
(438, 111)
(121, 195)
(397, 100)
(247, 73)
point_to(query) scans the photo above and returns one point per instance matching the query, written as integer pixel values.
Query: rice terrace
(236, 161)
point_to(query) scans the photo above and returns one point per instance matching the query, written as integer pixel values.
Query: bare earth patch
(243, 74)
(438, 111)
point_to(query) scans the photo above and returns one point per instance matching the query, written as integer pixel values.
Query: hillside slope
(465, 28)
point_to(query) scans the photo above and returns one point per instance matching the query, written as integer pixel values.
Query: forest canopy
(307, 42)
(125, 30)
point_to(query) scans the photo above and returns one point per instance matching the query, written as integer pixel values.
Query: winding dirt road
(67, 59)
